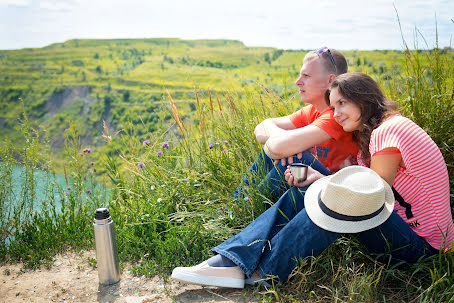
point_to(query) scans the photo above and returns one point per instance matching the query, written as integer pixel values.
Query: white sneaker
(204, 274)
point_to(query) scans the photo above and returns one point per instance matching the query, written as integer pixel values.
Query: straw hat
(352, 200)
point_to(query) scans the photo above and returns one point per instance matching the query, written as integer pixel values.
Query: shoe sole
(207, 280)
(257, 282)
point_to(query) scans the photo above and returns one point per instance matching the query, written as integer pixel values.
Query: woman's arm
(386, 164)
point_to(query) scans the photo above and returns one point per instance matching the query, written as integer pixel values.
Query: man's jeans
(269, 178)
(274, 241)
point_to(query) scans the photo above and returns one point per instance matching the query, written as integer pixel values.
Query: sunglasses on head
(331, 58)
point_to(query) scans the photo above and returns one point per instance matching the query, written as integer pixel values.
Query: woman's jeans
(283, 234)
(269, 177)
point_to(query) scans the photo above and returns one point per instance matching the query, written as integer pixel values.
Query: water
(42, 182)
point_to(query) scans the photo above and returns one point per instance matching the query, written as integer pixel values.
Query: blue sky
(347, 24)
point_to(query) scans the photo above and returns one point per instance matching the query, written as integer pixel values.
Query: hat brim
(340, 226)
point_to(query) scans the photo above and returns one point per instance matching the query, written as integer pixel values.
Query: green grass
(179, 204)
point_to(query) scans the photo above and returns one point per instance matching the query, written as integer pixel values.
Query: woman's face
(346, 113)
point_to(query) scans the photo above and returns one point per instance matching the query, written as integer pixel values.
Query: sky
(285, 24)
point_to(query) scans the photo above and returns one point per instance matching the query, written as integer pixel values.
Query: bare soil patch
(72, 279)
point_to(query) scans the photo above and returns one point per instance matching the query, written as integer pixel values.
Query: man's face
(313, 81)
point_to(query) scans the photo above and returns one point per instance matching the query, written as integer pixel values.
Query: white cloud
(55, 5)
(15, 2)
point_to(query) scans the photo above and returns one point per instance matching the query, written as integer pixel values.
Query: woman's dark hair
(363, 91)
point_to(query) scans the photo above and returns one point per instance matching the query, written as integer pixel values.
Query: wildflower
(160, 153)
(87, 150)
(210, 146)
(226, 142)
(88, 191)
(146, 142)
(225, 150)
(159, 200)
(152, 187)
(92, 163)
(140, 165)
(68, 188)
(66, 193)
(94, 170)
(165, 145)
(81, 153)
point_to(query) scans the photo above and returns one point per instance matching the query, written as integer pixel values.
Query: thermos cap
(102, 214)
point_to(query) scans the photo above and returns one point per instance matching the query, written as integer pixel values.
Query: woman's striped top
(423, 183)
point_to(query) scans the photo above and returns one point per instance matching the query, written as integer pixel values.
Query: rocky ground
(72, 279)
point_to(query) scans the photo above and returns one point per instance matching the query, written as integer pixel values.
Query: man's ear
(331, 78)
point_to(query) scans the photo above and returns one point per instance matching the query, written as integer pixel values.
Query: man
(311, 128)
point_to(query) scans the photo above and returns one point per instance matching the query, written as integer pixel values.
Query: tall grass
(171, 196)
(34, 228)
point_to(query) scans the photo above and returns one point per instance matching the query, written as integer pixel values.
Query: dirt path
(72, 279)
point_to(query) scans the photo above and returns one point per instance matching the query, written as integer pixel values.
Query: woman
(395, 149)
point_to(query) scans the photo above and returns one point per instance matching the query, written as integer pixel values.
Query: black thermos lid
(101, 214)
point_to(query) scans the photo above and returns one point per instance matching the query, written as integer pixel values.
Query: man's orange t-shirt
(333, 152)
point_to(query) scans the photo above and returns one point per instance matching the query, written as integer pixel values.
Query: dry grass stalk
(263, 105)
(197, 99)
(202, 122)
(175, 113)
(66, 176)
(220, 107)
(231, 103)
(106, 135)
(211, 103)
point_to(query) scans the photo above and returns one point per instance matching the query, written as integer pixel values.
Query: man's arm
(272, 127)
(289, 142)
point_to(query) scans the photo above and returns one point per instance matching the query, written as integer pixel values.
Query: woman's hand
(312, 176)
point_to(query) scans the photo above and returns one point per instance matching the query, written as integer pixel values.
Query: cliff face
(67, 97)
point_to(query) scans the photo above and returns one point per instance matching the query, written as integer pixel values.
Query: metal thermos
(106, 248)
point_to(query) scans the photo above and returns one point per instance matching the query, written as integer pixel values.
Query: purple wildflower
(225, 150)
(88, 191)
(66, 193)
(165, 145)
(140, 165)
(226, 142)
(94, 170)
(88, 150)
(160, 153)
(92, 163)
(146, 142)
(69, 188)
(210, 146)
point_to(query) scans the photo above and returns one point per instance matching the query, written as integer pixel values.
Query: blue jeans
(283, 234)
(269, 177)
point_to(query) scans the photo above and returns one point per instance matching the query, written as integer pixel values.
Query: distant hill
(123, 81)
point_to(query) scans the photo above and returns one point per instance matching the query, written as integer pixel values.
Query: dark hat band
(342, 217)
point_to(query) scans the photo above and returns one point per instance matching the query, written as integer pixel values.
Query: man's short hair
(339, 59)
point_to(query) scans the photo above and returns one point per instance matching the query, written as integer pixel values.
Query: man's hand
(312, 176)
(289, 160)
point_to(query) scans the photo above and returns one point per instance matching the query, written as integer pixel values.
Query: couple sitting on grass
(395, 198)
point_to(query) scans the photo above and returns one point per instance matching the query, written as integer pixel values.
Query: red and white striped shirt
(423, 183)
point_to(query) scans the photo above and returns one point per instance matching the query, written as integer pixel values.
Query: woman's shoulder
(394, 122)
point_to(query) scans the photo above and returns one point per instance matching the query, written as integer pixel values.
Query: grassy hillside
(123, 81)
